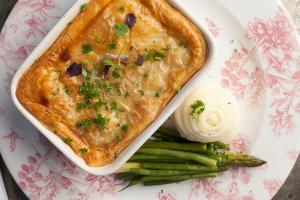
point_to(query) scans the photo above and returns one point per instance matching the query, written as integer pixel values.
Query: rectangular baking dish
(142, 138)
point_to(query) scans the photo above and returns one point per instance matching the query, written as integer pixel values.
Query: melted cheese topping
(127, 104)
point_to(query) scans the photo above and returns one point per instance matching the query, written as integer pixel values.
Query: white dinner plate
(258, 60)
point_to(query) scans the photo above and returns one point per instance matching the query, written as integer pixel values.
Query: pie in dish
(110, 74)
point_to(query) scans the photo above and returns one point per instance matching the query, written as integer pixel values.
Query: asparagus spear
(151, 183)
(177, 178)
(176, 146)
(240, 159)
(177, 166)
(180, 154)
(149, 172)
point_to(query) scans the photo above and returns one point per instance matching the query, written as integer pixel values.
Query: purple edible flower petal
(130, 20)
(74, 70)
(140, 60)
(106, 70)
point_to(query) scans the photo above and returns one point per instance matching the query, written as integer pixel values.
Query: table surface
(289, 191)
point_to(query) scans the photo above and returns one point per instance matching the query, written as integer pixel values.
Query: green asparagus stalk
(240, 159)
(127, 176)
(180, 154)
(176, 146)
(178, 166)
(149, 172)
(132, 182)
(177, 178)
(152, 183)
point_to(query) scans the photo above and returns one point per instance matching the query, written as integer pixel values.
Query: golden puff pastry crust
(111, 73)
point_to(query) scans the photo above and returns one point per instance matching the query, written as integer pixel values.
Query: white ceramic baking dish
(141, 139)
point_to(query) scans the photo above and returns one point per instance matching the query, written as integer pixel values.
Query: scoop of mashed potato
(208, 114)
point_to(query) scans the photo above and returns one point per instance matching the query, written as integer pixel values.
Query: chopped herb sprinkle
(83, 150)
(86, 48)
(122, 9)
(83, 7)
(118, 137)
(108, 61)
(106, 86)
(183, 44)
(81, 106)
(142, 93)
(112, 46)
(113, 105)
(117, 72)
(101, 122)
(196, 109)
(68, 91)
(127, 94)
(155, 55)
(56, 70)
(157, 94)
(134, 64)
(68, 140)
(89, 89)
(120, 29)
(84, 123)
(124, 127)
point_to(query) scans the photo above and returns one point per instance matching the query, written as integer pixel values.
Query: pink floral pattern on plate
(213, 28)
(12, 137)
(274, 42)
(269, 67)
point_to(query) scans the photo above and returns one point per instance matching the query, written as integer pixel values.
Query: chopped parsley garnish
(68, 140)
(127, 94)
(124, 127)
(56, 70)
(122, 9)
(106, 86)
(89, 89)
(108, 61)
(118, 137)
(117, 72)
(155, 55)
(86, 48)
(68, 91)
(117, 88)
(84, 123)
(142, 93)
(178, 89)
(196, 109)
(83, 7)
(117, 69)
(183, 44)
(111, 46)
(100, 121)
(120, 29)
(113, 105)
(81, 106)
(83, 150)
(134, 64)
(157, 94)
